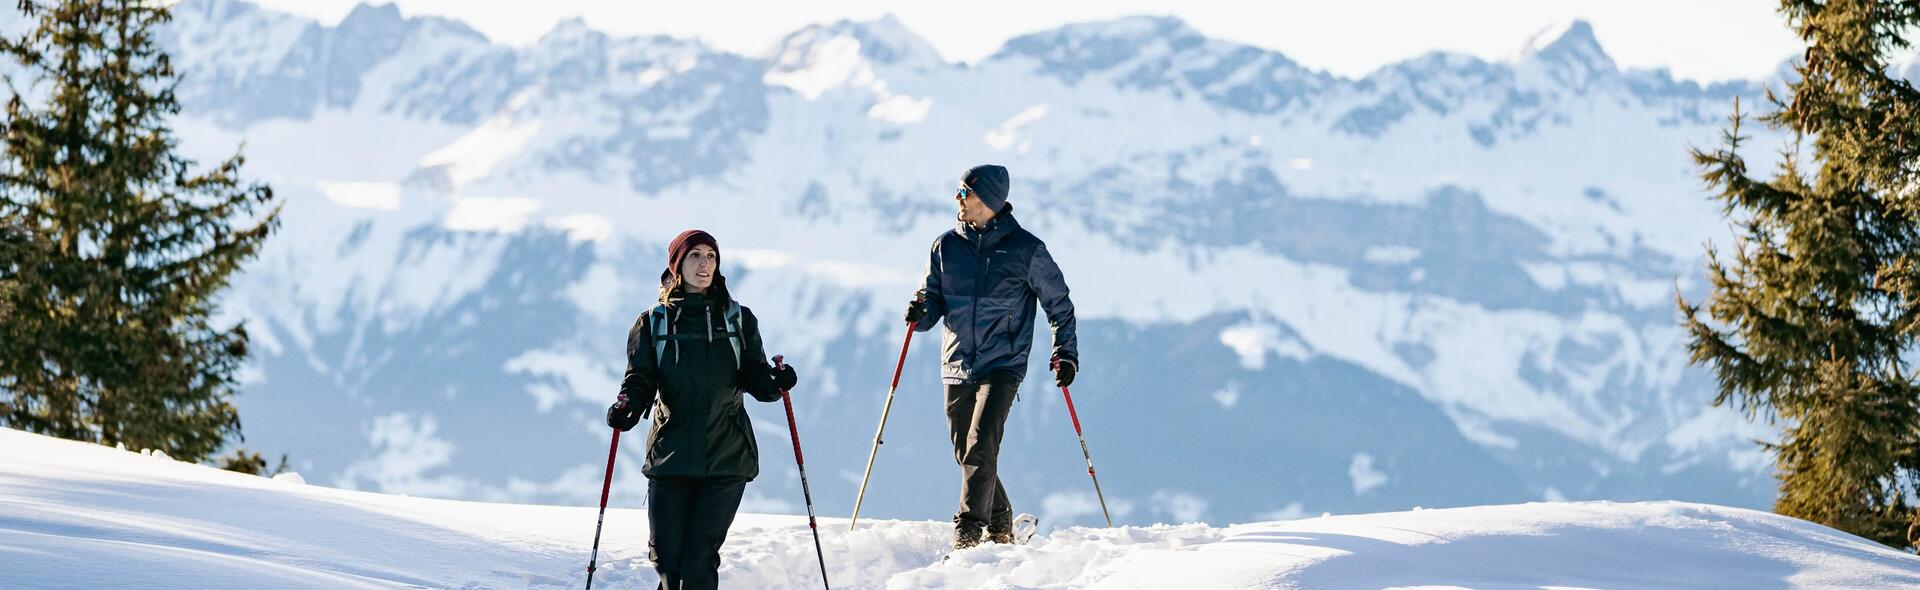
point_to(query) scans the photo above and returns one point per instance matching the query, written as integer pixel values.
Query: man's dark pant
(976, 417)
(688, 519)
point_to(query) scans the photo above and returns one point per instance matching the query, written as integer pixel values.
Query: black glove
(784, 378)
(622, 416)
(1063, 370)
(917, 309)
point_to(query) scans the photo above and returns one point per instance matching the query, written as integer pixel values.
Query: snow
(490, 214)
(1007, 135)
(379, 196)
(430, 46)
(368, 147)
(1253, 341)
(583, 227)
(1479, 352)
(901, 109)
(261, 39)
(1704, 428)
(822, 66)
(1551, 34)
(581, 375)
(476, 154)
(599, 293)
(867, 134)
(77, 515)
(409, 447)
(1391, 254)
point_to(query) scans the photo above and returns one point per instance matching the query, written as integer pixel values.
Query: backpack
(661, 323)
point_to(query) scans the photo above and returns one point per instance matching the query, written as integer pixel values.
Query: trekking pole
(605, 487)
(884, 410)
(1089, 456)
(793, 428)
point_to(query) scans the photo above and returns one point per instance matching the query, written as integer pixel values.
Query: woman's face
(697, 270)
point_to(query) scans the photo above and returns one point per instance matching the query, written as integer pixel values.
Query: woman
(688, 360)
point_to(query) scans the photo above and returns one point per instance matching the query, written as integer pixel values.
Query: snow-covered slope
(1446, 283)
(75, 515)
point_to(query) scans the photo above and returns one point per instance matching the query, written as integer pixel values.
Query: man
(984, 277)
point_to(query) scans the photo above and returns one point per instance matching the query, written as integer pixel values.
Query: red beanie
(682, 245)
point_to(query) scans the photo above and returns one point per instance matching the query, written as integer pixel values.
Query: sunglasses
(963, 192)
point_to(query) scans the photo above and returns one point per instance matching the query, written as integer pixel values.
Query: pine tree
(115, 248)
(1819, 308)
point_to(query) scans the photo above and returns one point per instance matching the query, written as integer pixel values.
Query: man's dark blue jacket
(985, 283)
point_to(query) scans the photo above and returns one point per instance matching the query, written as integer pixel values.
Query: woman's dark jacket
(700, 428)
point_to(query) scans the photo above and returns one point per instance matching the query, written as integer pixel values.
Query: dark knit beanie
(989, 183)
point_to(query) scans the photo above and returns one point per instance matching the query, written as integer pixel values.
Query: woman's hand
(784, 378)
(622, 416)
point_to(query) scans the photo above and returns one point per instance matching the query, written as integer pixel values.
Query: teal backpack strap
(660, 325)
(733, 331)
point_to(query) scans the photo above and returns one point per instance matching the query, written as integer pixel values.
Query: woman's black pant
(688, 519)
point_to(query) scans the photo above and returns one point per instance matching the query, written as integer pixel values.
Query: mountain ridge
(1445, 283)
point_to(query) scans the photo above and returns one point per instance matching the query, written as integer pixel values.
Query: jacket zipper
(670, 331)
(980, 283)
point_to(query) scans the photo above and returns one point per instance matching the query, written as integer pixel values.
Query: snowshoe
(1024, 527)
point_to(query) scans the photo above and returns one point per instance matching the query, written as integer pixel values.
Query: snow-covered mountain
(74, 515)
(1449, 282)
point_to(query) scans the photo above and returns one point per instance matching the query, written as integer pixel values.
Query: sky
(1707, 40)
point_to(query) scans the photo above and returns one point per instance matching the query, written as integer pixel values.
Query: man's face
(972, 210)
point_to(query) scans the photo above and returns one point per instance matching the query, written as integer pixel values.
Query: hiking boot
(1000, 529)
(965, 535)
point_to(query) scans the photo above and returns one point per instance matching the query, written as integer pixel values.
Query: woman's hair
(670, 283)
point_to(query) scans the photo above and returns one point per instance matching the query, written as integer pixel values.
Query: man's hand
(1063, 370)
(917, 309)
